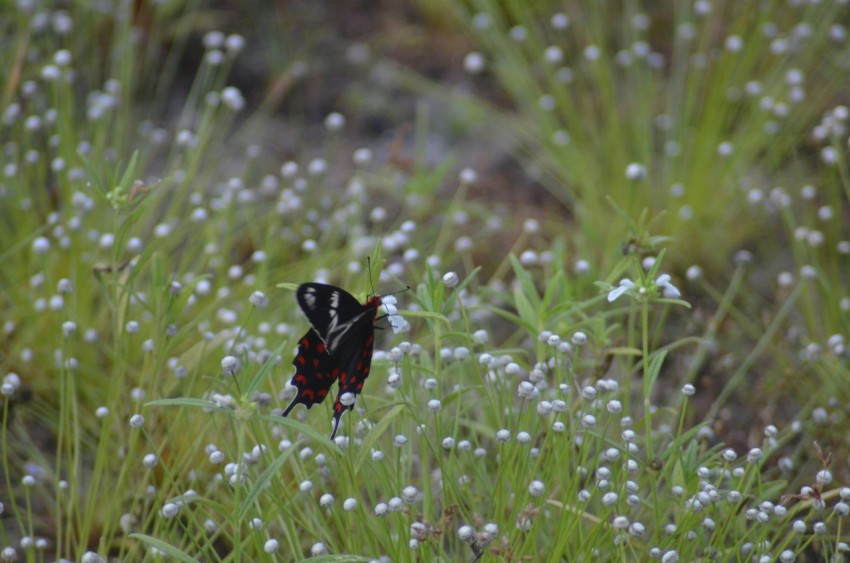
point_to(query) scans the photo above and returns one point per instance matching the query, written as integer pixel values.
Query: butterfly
(338, 346)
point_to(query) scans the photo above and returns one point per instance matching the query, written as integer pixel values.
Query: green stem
(647, 390)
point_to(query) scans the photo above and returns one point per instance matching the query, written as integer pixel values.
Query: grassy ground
(624, 227)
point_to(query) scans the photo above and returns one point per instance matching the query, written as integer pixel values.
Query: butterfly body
(337, 347)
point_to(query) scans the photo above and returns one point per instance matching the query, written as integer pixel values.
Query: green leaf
(525, 282)
(260, 484)
(616, 273)
(555, 290)
(304, 429)
(184, 402)
(195, 498)
(656, 265)
(97, 182)
(526, 310)
(165, 548)
(425, 315)
(129, 173)
(375, 265)
(624, 351)
(158, 271)
(656, 360)
(676, 444)
(515, 319)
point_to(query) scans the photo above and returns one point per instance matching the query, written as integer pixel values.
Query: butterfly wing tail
(291, 406)
(338, 410)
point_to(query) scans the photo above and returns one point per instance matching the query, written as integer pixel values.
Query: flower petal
(670, 290)
(625, 285)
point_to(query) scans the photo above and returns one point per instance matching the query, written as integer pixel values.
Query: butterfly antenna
(406, 288)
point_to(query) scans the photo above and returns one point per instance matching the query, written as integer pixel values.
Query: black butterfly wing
(315, 372)
(355, 363)
(333, 312)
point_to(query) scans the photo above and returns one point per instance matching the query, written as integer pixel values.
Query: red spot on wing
(313, 367)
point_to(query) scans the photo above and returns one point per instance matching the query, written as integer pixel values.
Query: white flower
(408, 494)
(624, 286)
(465, 533)
(670, 290)
(232, 98)
(468, 176)
(258, 299)
(335, 121)
(536, 488)
(396, 321)
(824, 477)
(169, 510)
(473, 62)
(234, 43)
(635, 171)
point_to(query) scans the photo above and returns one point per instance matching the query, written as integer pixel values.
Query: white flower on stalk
(670, 290)
(628, 286)
(625, 285)
(396, 321)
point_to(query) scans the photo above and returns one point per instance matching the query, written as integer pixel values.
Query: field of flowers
(616, 235)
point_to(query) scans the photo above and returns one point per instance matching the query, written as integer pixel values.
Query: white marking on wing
(333, 313)
(337, 333)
